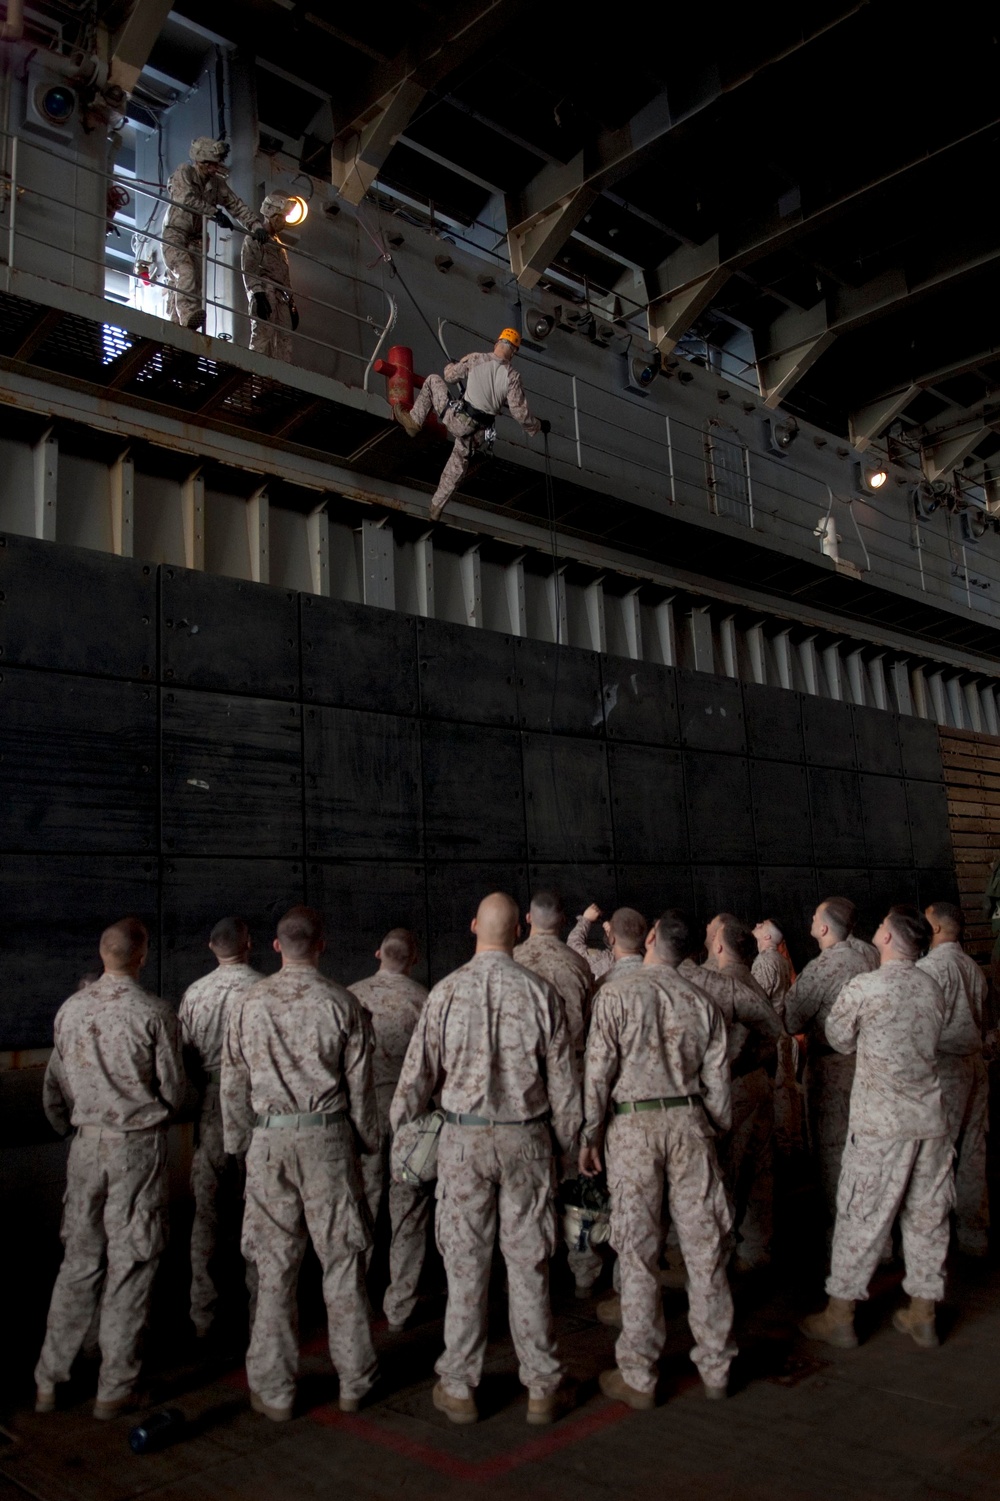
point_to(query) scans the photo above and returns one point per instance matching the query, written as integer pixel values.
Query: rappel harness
(486, 422)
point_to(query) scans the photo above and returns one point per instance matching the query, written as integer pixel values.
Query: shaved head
(546, 912)
(629, 929)
(398, 949)
(124, 945)
(495, 922)
(229, 937)
(300, 933)
(947, 916)
(767, 934)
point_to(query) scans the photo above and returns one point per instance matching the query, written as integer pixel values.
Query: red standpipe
(402, 383)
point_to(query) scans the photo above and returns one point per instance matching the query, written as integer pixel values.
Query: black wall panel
(76, 610)
(835, 803)
(566, 800)
(711, 712)
(782, 825)
(928, 813)
(232, 775)
(720, 823)
(361, 901)
(937, 886)
(362, 785)
(466, 675)
(196, 893)
(558, 688)
(887, 826)
(648, 804)
(473, 798)
(454, 891)
(788, 895)
(579, 885)
(640, 701)
(394, 771)
(832, 881)
(55, 908)
(357, 657)
(828, 733)
(773, 721)
(726, 888)
(228, 634)
(651, 889)
(876, 736)
(920, 749)
(79, 763)
(887, 888)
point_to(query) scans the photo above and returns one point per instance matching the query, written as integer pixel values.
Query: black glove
(223, 220)
(261, 305)
(293, 314)
(260, 234)
(545, 427)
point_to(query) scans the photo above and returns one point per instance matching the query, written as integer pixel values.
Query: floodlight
(296, 211)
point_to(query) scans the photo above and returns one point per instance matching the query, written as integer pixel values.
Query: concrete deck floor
(887, 1421)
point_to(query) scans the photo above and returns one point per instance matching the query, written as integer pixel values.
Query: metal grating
(16, 317)
(74, 347)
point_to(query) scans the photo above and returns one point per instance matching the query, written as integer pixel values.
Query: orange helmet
(511, 336)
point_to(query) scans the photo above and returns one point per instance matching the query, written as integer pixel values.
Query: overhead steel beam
(794, 342)
(131, 46)
(869, 422)
(542, 215)
(681, 289)
(942, 458)
(357, 157)
(372, 115)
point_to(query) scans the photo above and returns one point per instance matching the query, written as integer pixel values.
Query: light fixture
(875, 479)
(296, 211)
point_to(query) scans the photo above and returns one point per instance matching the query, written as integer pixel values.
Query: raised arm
(517, 404)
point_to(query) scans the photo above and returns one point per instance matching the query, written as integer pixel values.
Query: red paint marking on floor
(562, 1434)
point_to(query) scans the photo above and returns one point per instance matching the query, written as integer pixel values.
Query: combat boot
(614, 1385)
(276, 1414)
(546, 1407)
(406, 422)
(834, 1326)
(457, 1409)
(45, 1399)
(610, 1311)
(918, 1322)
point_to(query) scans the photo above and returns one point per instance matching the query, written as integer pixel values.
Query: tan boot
(918, 1322)
(276, 1414)
(610, 1311)
(457, 1409)
(105, 1411)
(614, 1385)
(834, 1326)
(546, 1407)
(407, 422)
(45, 1399)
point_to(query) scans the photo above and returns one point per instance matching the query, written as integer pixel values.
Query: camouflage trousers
(304, 1185)
(746, 1155)
(828, 1098)
(789, 1134)
(488, 1174)
(878, 1180)
(409, 1216)
(216, 1187)
(435, 394)
(966, 1093)
(114, 1232)
(672, 1152)
(273, 336)
(185, 297)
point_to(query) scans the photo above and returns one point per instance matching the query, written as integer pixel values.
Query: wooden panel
(640, 701)
(466, 675)
(361, 902)
(648, 803)
(566, 799)
(358, 657)
(473, 801)
(228, 634)
(558, 688)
